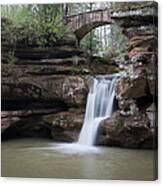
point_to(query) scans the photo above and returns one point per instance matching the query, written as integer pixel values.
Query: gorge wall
(42, 83)
(44, 92)
(134, 124)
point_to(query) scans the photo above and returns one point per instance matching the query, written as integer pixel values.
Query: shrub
(40, 25)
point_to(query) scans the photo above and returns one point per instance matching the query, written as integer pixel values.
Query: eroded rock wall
(44, 92)
(134, 124)
(39, 82)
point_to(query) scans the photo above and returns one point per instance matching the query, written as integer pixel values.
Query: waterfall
(99, 107)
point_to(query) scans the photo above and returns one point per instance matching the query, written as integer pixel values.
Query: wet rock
(65, 126)
(129, 131)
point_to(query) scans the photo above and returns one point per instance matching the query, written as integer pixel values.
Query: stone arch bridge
(83, 23)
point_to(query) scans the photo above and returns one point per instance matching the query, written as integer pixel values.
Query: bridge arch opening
(104, 41)
(97, 32)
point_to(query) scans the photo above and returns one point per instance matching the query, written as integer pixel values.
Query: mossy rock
(100, 65)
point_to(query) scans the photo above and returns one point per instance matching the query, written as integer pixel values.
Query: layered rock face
(44, 92)
(43, 81)
(39, 83)
(135, 123)
(66, 126)
(29, 83)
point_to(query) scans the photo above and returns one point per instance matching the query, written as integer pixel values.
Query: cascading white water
(99, 107)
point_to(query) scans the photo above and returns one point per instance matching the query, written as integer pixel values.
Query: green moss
(75, 70)
(73, 109)
(119, 125)
(11, 58)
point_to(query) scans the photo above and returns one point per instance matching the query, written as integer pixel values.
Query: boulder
(65, 126)
(131, 88)
(129, 131)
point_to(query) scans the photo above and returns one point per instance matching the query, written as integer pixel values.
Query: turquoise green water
(39, 158)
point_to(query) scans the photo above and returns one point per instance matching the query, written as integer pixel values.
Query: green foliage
(43, 25)
(49, 23)
(38, 24)
(75, 70)
(117, 41)
(19, 14)
(11, 57)
(105, 39)
(90, 43)
(13, 35)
